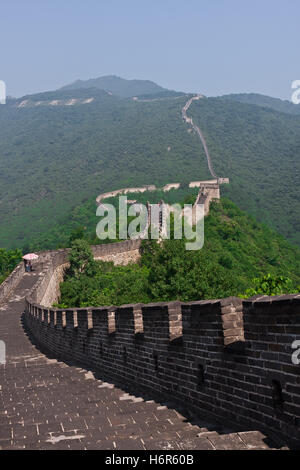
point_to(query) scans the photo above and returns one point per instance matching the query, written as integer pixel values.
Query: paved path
(46, 404)
(198, 132)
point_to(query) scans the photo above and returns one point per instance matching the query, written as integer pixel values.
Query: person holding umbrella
(27, 261)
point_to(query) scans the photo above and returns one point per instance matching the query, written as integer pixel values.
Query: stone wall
(123, 191)
(167, 187)
(170, 186)
(52, 293)
(197, 184)
(229, 358)
(121, 253)
(11, 282)
(271, 325)
(46, 290)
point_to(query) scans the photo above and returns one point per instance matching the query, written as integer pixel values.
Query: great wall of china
(212, 374)
(228, 359)
(209, 190)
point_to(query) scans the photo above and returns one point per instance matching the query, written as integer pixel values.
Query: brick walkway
(46, 404)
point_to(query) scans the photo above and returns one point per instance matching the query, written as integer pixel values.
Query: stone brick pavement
(46, 404)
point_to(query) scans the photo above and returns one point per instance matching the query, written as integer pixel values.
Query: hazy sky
(208, 46)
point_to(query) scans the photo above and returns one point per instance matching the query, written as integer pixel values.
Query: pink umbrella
(30, 256)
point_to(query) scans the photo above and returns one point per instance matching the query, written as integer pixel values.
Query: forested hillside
(237, 250)
(59, 150)
(265, 101)
(82, 220)
(53, 158)
(259, 149)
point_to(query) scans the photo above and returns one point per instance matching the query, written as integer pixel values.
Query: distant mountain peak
(118, 86)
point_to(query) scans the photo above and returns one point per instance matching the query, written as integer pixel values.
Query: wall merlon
(59, 319)
(111, 321)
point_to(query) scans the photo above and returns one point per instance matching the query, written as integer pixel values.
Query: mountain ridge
(282, 106)
(118, 86)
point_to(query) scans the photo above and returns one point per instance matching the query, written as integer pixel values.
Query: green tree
(178, 274)
(270, 285)
(8, 261)
(77, 234)
(81, 260)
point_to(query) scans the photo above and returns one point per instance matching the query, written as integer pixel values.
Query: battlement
(231, 358)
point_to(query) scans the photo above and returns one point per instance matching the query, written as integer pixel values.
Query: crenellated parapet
(236, 359)
(231, 358)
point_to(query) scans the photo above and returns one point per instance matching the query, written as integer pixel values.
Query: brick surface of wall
(230, 358)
